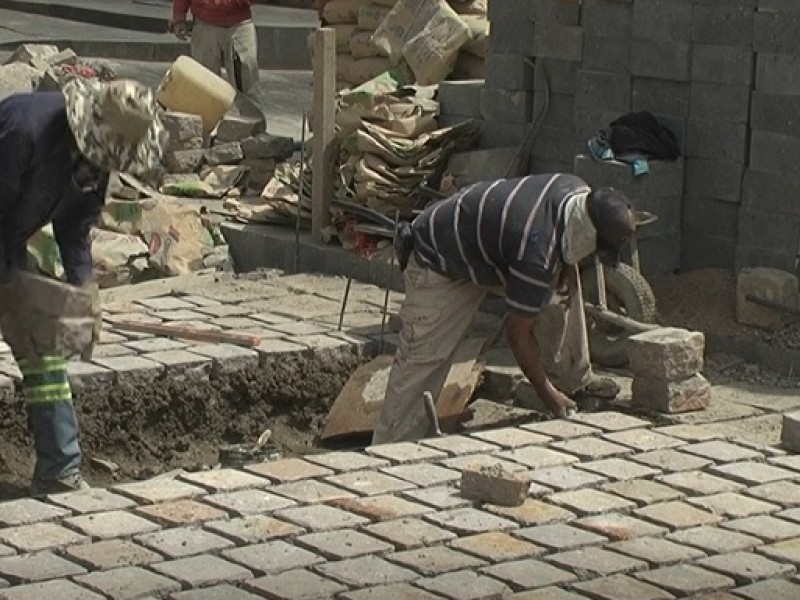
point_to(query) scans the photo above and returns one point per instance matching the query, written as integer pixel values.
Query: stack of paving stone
(666, 364)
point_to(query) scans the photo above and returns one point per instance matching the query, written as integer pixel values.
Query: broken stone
(686, 395)
(27, 53)
(233, 128)
(261, 171)
(773, 285)
(265, 145)
(184, 161)
(790, 431)
(495, 485)
(184, 130)
(18, 78)
(667, 353)
(224, 154)
(65, 57)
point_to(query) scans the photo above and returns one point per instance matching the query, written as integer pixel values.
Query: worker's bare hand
(180, 29)
(558, 404)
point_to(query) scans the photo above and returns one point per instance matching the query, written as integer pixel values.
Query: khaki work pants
(234, 48)
(435, 317)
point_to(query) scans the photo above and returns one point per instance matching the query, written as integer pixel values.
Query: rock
(265, 145)
(790, 431)
(65, 57)
(233, 128)
(18, 78)
(261, 171)
(495, 485)
(184, 161)
(27, 53)
(225, 154)
(185, 130)
(773, 285)
(658, 395)
(667, 353)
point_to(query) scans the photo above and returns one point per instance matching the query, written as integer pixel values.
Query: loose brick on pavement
(562, 429)
(341, 462)
(40, 536)
(248, 502)
(343, 544)
(596, 562)
(496, 546)
(774, 589)
(591, 448)
(671, 461)
(128, 582)
(369, 483)
(618, 469)
(112, 524)
(180, 542)
(27, 510)
(253, 529)
(609, 421)
(366, 571)
(531, 512)
(643, 491)
(457, 445)
(656, 551)
(59, 589)
(37, 567)
(465, 585)
(423, 475)
(752, 473)
(566, 478)
(410, 533)
(746, 567)
(299, 584)
(561, 537)
(435, 560)
(590, 502)
(405, 452)
(617, 526)
(465, 521)
(111, 554)
(382, 508)
(786, 493)
(182, 512)
(721, 451)
(687, 580)
(202, 570)
(734, 505)
(643, 440)
(700, 483)
(398, 591)
(440, 498)
(715, 540)
(677, 515)
(158, 490)
(224, 480)
(528, 573)
(320, 517)
(288, 469)
(511, 437)
(309, 491)
(767, 528)
(93, 500)
(272, 557)
(217, 592)
(622, 587)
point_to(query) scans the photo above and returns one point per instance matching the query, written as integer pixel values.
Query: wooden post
(323, 119)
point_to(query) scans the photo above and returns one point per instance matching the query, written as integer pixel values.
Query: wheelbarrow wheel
(628, 294)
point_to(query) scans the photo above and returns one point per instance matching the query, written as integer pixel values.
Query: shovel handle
(190, 333)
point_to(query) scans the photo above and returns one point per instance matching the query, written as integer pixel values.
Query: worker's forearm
(526, 351)
(180, 9)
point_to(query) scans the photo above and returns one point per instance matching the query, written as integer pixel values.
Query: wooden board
(462, 380)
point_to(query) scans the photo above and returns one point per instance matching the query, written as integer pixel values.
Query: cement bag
(471, 7)
(344, 31)
(43, 249)
(479, 30)
(358, 71)
(118, 257)
(342, 11)
(371, 16)
(468, 66)
(361, 46)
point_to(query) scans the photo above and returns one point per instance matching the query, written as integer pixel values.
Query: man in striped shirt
(520, 237)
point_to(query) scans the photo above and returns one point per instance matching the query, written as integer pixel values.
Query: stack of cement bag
(471, 61)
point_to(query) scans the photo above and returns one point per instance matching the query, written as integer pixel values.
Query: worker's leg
(206, 47)
(244, 57)
(435, 316)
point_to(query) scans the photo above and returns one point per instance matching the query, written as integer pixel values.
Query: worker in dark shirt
(56, 152)
(519, 237)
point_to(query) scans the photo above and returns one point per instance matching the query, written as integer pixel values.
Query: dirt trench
(181, 423)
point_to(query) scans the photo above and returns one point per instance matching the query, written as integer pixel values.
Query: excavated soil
(182, 423)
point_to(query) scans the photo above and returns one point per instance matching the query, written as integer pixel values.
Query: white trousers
(234, 48)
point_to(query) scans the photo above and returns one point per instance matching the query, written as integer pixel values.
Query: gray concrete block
(563, 13)
(607, 18)
(611, 55)
(760, 229)
(719, 179)
(720, 102)
(774, 151)
(657, 19)
(777, 32)
(538, 165)
(664, 181)
(778, 73)
(722, 64)
(606, 91)
(661, 59)
(778, 6)
(481, 165)
(721, 141)
(775, 193)
(512, 35)
(224, 154)
(586, 122)
(515, 11)
(561, 42)
(777, 113)
(495, 134)
(777, 286)
(554, 144)
(506, 106)
(710, 215)
(462, 98)
(660, 255)
(790, 431)
(728, 24)
(509, 71)
(561, 75)
(451, 120)
(560, 110)
(660, 96)
(704, 251)
(756, 256)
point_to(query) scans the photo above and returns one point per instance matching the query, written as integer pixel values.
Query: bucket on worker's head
(189, 87)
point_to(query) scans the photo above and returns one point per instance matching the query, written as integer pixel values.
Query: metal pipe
(300, 191)
(386, 295)
(344, 302)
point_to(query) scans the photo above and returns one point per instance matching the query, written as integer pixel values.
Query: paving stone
(341, 462)
(320, 517)
(643, 491)
(616, 526)
(253, 529)
(217, 592)
(298, 584)
(529, 573)
(310, 491)
(536, 457)
(405, 452)
(203, 570)
(477, 461)
(423, 475)
(618, 469)
(677, 515)
(111, 554)
(496, 546)
(733, 505)
(590, 502)
(671, 461)
(700, 483)
(400, 591)
(566, 478)
(787, 462)
(128, 582)
(746, 567)
(158, 490)
(86, 370)
(239, 323)
(60, 589)
(366, 571)
(692, 433)
(224, 310)
(465, 585)
(93, 500)
(561, 537)
(591, 448)
(224, 480)
(609, 421)
(289, 469)
(343, 544)
(227, 357)
(644, 440)
(27, 510)
(595, 562)
(786, 493)
(714, 540)
(40, 536)
(248, 502)
(382, 508)
(440, 498)
(465, 521)
(132, 370)
(6, 551)
(752, 473)
(562, 429)
(458, 445)
(435, 560)
(272, 557)
(685, 580)
(774, 589)
(511, 437)
(531, 512)
(180, 542)
(410, 533)
(165, 303)
(722, 452)
(181, 362)
(548, 593)
(182, 512)
(767, 528)
(37, 567)
(113, 524)
(656, 551)
(84, 377)
(622, 587)
(155, 344)
(180, 314)
(369, 483)
(793, 514)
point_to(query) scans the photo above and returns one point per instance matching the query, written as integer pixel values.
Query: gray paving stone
(561, 429)
(561, 537)
(677, 515)
(618, 469)
(366, 571)
(344, 543)
(181, 362)
(409, 533)
(656, 551)
(223, 310)
(320, 517)
(240, 323)
(548, 593)
(153, 491)
(101, 351)
(128, 582)
(180, 542)
(752, 473)
(714, 540)
(692, 433)
(746, 567)
(622, 587)
(470, 520)
(734, 505)
(37, 567)
(643, 491)
(440, 498)
(400, 591)
(93, 500)
(476, 461)
(458, 445)
(595, 562)
(643, 440)
(288, 469)
(775, 589)
(298, 584)
(793, 514)
(787, 462)
(27, 510)
(6, 551)
(536, 457)
(591, 448)
(496, 546)
(511, 437)
(227, 357)
(341, 462)
(180, 314)
(423, 475)
(40, 536)
(700, 483)
(590, 502)
(671, 460)
(182, 512)
(165, 303)
(769, 529)
(217, 592)
(435, 560)
(253, 529)
(272, 557)
(248, 502)
(465, 585)
(722, 452)
(405, 452)
(786, 493)
(112, 524)
(609, 421)
(685, 580)
(566, 478)
(531, 512)
(310, 491)
(111, 554)
(272, 350)
(382, 508)
(616, 526)
(155, 344)
(132, 370)
(369, 483)
(202, 570)
(59, 589)
(85, 377)
(529, 573)
(224, 480)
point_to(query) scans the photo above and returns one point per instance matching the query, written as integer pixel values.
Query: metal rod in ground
(344, 302)
(388, 288)
(300, 190)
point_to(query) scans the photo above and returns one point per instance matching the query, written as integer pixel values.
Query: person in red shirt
(223, 35)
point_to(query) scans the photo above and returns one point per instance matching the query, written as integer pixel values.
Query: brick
(774, 589)
(496, 546)
(529, 573)
(609, 421)
(566, 478)
(506, 106)
(409, 533)
(253, 529)
(714, 540)
(746, 567)
(112, 524)
(382, 508)
(606, 54)
(182, 128)
(224, 154)
(340, 462)
(591, 448)
(366, 571)
(644, 440)
(288, 469)
(532, 512)
(494, 485)
(653, 19)
(618, 469)
(465, 585)
(295, 585)
(180, 542)
(217, 592)
(718, 179)
(265, 145)
(369, 483)
(661, 59)
(769, 529)
(559, 42)
(204, 570)
(506, 38)
(27, 510)
(667, 353)
(423, 475)
(686, 580)
(438, 497)
(590, 502)
(715, 63)
(774, 251)
(435, 560)
(39, 536)
(248, 502)
(561, 429)
(477, 461)
(320, 517)
(310, 491)
(643, 491)
(781, 492)
(128, 582)
(656, 551)
(622, 587)
(272, 557)
(401, 591)
(337, 545)
(37, 567)
(752, 473)
(729, 25)
(184, 161)
(508, 71)
(671, 460)
(617, 526)
(61, 589)
(734, 505)
(688, 394)
(405, 452)
(224, 480)
(463, 98)
(561, 537)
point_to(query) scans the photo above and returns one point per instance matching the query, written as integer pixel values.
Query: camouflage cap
(116, 125)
